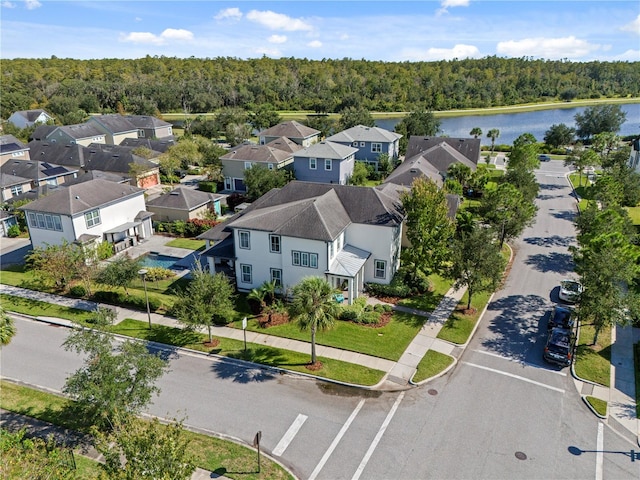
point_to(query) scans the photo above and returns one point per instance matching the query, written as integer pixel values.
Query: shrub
(104, 250)
(78, 291)
(369, 318)
(178, 227)
(211, 187)
(13, 231)
(234, 200)
(158, 273)
(348, 314)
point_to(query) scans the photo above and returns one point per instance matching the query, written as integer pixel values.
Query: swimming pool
(154, 259)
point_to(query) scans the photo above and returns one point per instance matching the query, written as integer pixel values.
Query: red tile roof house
(88, 213)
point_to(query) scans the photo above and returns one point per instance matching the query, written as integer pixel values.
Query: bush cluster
(188, 229)
(210, 187)
(360, 312)
(155, 274)
(13, 231)
(78, 291)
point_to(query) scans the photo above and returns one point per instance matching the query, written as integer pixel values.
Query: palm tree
(313, 307)
(476, 132)
(493, 134)
(7, 328)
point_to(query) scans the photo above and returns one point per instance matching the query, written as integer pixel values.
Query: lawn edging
(585, 399)
(437, 375)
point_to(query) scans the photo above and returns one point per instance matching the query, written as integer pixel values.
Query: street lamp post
(143, 273)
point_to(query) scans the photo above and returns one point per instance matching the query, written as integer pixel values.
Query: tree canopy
(599, 119)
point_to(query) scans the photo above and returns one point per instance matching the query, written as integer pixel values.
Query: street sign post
(256, 443)
(244, 330)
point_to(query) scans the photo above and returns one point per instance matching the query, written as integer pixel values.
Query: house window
(243, 239)
(376, 147)
(52, 182)
(270, 166)
(141, 133)
(247, 165)
(245, 276)
(304, 259)
(380, 269)
(16, 190)
(92, 218)
(313, 163)
(276, 277)
(45, 221)
(327, 164)
(274, 243)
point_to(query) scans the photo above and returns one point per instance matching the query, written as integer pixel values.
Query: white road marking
(336, 440)
(376, 440)
(533, 365)
(515, 376)
(599, 451)
(289, 435)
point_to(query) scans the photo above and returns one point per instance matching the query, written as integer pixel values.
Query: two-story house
(295, 131)
(150, 127)
(324, 162)
(371, 142)
(90, 212)
(115, 127)
(348, 235)
(12, 149)
(29, 118)
(442, 152)
(275, 155)
(120, 160)
(81, 134)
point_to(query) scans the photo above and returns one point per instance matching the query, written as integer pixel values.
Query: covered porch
(346, 272)
(130, 234)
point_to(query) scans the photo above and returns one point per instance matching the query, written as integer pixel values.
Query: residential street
(502, 413)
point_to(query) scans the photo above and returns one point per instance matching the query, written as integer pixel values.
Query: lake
(512, 125)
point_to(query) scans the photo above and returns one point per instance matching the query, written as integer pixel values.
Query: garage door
(238, 185)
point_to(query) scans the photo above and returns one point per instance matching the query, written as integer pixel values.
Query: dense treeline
(165, 84)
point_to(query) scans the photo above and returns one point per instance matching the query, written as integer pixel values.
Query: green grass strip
(593, 362)
(600, 406)
(37, 308)
(261, 354)
(217, 455)
(187, 243)
(431, 364)
(457, 329)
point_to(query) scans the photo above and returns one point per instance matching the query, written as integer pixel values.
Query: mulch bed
(212, 344)
(276, 319)
(314, 367)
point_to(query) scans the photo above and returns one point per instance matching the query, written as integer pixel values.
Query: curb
(593, 410)
(437, 375)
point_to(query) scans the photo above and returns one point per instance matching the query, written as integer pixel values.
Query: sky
(390, 31)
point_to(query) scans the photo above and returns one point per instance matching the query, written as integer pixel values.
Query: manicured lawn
(459, 326)
(188, 243)
(264, 355)
(217, 455)
(37, 308)
(387, 342)
(600, 406)
(429, 301)
(593, 362)
(431, 364)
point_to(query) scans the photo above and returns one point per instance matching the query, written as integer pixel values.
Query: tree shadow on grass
(519, 329)
(551, 262)
(227, 369)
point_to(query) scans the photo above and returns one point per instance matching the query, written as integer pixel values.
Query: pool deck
(157, 244)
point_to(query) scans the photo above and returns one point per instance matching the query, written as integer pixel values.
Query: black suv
(559, 347)
(561, 317)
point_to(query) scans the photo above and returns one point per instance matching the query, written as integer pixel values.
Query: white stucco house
(348, 235)
(88, 213)
(28, 118)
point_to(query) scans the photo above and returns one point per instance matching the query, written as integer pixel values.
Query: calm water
(158, 260)
(512, 125)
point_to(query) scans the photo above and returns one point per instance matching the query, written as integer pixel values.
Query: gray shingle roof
(183, 199)
(443, 155)
(257, 153)
(114, 158)
(31, 115)
(361, 133)
(82, 197)
(115, 123)
(146, 121)
(81, 130)
(283, 143)
(31, 168)
(9, 143)
(290, 129)
(7, 180)
(469, 147)
(58, 153)
(410, 169)
(157, 145)
(326, 150)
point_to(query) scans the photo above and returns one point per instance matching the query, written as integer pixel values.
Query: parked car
(570, 290)
(561, 317)
(544, 158)
(559, 346)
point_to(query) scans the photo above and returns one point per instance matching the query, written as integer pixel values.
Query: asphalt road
(501, 414)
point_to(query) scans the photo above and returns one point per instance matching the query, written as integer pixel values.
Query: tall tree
(507, 211)
(420, 123)
(559, 135)
(259, 180)
(145, 449)
(313, 308)
(207, 300)
(58, 264)
(598, 119)
(581, 159)
(7, 328)
(120, 272)
(117, 378)
(493, 134)
(353, 116)
(264, 116)
(476, 132)
(476, 262)
(429, 228)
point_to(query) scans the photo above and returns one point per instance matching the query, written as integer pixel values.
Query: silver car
(570, 291)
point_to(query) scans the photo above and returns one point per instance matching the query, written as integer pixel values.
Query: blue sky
(373, 30)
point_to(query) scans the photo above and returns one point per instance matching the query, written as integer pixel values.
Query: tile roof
(290, 129)
(326, 149)
(362, 133)
(82, 197)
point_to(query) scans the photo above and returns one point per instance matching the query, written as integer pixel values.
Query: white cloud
(628, 56)
(32, 4)
(269, 52)
(548, 48)
(454, 3)
(314, 44)
(8, 5)
(172, 34)
(460, 51)
(277, 39)
(633, 27)
(344, 36)
(232, 13)
(277, 21)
